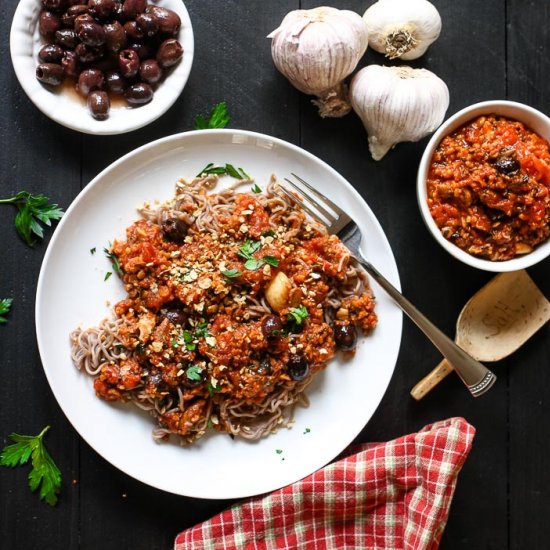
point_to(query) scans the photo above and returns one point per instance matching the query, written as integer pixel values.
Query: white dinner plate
(65, 106)
(72, 292)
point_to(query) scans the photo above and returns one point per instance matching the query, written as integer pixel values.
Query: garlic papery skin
(397, 104)
(402, 28)
(316, 50)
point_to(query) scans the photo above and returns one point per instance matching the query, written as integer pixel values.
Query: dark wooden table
(488, 50)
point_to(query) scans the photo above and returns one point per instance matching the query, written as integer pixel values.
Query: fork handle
(477, 378)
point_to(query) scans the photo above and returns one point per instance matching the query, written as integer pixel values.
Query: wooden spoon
(495, 322)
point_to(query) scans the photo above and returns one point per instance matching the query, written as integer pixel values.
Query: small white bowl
(68, 109)
(536, 121)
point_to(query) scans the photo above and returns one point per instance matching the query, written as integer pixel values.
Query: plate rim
(89, 188)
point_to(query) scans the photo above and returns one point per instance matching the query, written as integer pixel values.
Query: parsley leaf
(107, 275)
(113, 259)
(5, 305)
(248, 248)
(44, 473)
(298, 315)
(218, 118)
(271, 260)
(253, 264)
(211, 389)
(188, 339)
(92, 250)
(226, 170)
(33, 210)
(278, 451)
(193, 372)
(174, 343)
(202, 330)
(269, 233)
(256, 188)
(231, 273)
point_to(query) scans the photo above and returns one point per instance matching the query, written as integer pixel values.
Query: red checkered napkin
(393, 495)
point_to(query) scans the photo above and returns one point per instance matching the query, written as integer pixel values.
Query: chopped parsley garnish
(218, 118)
(44, 473)
(202, 330)
(113, 259)
(188, 340)
(256, 188)
(278, 451)
(269, 233)
(298, 315)
(307, 430)
(5, 305)
(193, 372)
(248, 248)
(252, 264)
(227, 170)
(174, 343)
(33, 210)
(107, 275)
(211, 389)
(231, 273)
(92, 250)
(271, 260)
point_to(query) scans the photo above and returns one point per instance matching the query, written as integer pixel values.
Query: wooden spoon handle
(429, 382)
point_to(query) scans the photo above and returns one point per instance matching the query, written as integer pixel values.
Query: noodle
(190, 345)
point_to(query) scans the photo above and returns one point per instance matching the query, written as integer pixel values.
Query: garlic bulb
(397, 104)
(402, 28)
(316, 50)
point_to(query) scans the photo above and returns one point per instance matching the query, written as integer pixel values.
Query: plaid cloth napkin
(393, 495)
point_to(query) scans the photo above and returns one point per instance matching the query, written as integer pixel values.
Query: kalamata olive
(50, 53)
(101, 9)
(169, 53)
(132, 8)
(345, 336)
(66, 38)
(264, 368)
(48, 24)
(70, 63)
(115, 37)
(272, 327)
(50, 73)
(72, 13)
(115, 82)
(154, 379)
(90, 80)
(133, 32)
(174, 229)
(99, 104)
(88, 54)
(118, 12)
(91, 34)
(297, 367)
(176, 316)
(150, 71)
(81, 19)
(139, 94)
(143, 50)
(148, 24)
(128, 62)
(54, 5)
(507, 165)
(169, 22)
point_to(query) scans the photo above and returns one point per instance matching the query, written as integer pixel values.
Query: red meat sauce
(176, 288)
(488, 188)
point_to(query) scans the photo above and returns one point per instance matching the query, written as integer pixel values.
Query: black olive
(297, 367)
(345, 337)
(507, 165)
(99, 104)
(174, 229)
(272, 327)
(175, 316)
(155, 379)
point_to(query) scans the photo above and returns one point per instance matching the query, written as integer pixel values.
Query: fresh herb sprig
(112, 257)
(44, 473)
(246, 252)
(218, 118)
(298, 315)
(5, 306)
(33, 210)
(227, 170)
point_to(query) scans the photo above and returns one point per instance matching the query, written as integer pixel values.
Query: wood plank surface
(487, 50)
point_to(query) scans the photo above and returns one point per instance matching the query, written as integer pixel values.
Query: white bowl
(68, 109)
(532, 118)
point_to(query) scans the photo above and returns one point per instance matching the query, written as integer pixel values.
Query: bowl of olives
(102, 66)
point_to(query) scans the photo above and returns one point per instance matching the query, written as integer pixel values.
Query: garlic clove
(397, 104)
(316, 50)
(402, 28)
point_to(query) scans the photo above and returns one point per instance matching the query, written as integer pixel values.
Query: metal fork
(477, 378)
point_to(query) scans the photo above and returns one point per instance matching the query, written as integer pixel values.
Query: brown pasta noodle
(191, 343)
